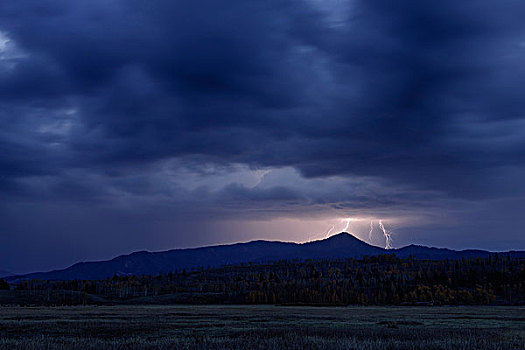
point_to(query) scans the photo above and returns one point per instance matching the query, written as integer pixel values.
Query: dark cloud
(404, 106)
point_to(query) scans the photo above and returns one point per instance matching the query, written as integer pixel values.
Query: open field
(261, 327)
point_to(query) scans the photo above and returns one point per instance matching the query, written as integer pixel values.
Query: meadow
(261, 327)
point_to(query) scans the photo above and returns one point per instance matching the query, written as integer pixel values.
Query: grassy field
(261, 327)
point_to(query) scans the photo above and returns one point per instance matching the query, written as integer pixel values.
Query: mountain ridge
(338, 246)
(5, 273)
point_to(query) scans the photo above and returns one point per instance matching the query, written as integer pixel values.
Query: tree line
(380, 280)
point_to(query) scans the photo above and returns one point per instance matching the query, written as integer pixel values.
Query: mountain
(4, 273)
(342, 245)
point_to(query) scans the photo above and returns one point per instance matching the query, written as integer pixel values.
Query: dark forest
(382, 280)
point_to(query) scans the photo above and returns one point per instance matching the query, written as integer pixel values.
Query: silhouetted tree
(4, 285)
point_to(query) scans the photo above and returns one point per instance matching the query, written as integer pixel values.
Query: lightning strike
(347, 220)
(329, 231)
(387, 234)
(371, 229)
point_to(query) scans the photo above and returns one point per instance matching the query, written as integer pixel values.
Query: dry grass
(261, 327)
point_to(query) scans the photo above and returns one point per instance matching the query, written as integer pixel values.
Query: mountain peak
(344, 236)
(345, 242)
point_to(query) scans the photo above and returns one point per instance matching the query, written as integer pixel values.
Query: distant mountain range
(342, 245)
(4, 273)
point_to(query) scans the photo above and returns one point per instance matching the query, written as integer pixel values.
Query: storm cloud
(143, 121)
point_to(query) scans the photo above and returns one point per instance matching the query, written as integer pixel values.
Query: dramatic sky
(148, 125)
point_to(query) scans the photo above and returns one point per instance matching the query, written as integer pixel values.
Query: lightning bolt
(387, 234)
(347, 220)
(371, 229)
(329, 231)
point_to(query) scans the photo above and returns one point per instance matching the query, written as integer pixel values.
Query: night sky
(149, 125)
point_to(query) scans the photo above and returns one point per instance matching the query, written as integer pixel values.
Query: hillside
(342, 245)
